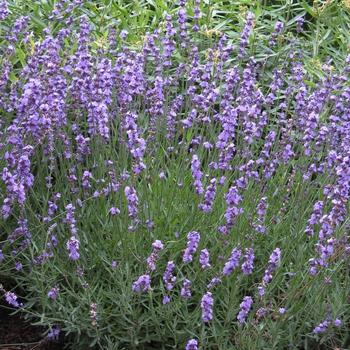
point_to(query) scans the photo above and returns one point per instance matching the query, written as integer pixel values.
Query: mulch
(18, 334)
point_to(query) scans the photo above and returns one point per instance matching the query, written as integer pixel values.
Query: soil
(17, 334)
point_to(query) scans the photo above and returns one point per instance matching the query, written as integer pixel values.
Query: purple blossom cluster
(157, 246)
(248, 264)
(245, 307)
(193, 238)
(207, 304)
(169, 278)
(274, 262)
(142, 284)
(233, 262)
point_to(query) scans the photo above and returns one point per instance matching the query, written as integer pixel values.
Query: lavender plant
(179, 193)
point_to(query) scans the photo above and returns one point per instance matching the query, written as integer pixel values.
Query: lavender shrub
(109, 149)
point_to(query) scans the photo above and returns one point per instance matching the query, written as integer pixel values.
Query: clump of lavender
(245, 307)
(193, 238)
(207, 304)
(75, 107)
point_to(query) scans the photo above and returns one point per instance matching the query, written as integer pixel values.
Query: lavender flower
(4, 11)
(114, 211)
(168, 277)
(142, 284)
(214, 282)
(185, 290)
(282, 310)
(204, 259)
(274, 261)
(53, 293)
(197, 174)
(152, 259)
(300, 23)
(209, 197)
(245, 307)
(54, 333)
(193, 238)
(11, 298)
(233, 262)
(73, 248)
(192, 344)
(278, 29)
(248, 264)
(93, 314)
(132, 199)
(322, 327)
(337, 322)
(245, 34)
(207, 304)
(70, 218)
(166, 299)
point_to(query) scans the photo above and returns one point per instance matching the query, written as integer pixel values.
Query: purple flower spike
(54, 333)
(337, 322)
(248, 265)
(168, 277)
(233, 262)
(245, 307)
(11, 298)
(192, 345)
(197, 174)
(207, 304)
(185, 290)
(73, 248)
(152, 259)
(53, 293)
(142, 284)
(204, 259)
(193, 238)
(132, 199)
(322, 327)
